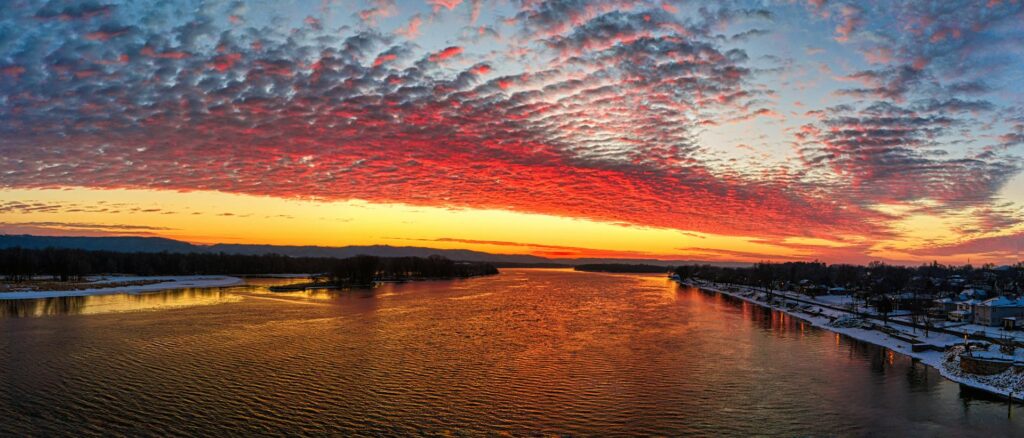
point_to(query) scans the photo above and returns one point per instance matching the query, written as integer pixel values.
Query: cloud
(851, 20)
(449, 52)
(955, 105)
(84, 226)
(552, 17)
(603, 110)
(716, 254)
(890, 83)
(437, 5)
(881, 154)
(608, 133)
(57, 10)
(93, 226)
(614, 27)
(995, 247)
(378, 9)
(412, 29)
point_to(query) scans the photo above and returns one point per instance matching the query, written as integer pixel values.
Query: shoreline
(934, 359)
(171, 282)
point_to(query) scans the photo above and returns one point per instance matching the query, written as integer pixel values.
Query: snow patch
(165, 283)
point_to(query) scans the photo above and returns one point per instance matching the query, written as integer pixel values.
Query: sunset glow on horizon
(843, 131)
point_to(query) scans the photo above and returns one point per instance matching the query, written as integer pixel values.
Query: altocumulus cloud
(588, 109)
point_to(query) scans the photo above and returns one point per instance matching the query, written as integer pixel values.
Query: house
(807, 287)
(941, 307)
(973, 293)
(964, 311)
(944, 305)
(913, 300)
(803, 285)
(992, 311)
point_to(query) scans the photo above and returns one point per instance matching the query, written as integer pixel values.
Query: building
(808, 287)
(973, 293)
(914, 301)
(991, 312)
(964, 311)
(944, 305)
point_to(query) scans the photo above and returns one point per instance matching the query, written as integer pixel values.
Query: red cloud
(224, 62)
(384, 58)
(447, 4)
(148, 51)
(446, 54)
(411, 30)
(998, 248)
(106, 34)
(13, 70)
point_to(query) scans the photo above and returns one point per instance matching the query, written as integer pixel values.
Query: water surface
(524, 352)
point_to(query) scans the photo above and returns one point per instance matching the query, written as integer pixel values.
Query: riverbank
(936, 349)
(140, 284)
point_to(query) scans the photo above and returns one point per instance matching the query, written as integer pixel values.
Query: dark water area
(526, 352)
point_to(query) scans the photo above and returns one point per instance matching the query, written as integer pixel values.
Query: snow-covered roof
(1002, 302)
(969, 292)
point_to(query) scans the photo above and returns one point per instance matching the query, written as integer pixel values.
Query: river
(524, 352)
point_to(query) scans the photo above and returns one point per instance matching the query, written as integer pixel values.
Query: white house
(992, 311)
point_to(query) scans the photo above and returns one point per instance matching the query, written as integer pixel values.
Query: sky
(842, 131)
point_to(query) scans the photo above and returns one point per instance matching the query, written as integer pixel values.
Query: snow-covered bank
(163, 283)
(893, 337)
(279, 275)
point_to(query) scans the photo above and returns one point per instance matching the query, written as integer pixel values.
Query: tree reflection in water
(114, 302)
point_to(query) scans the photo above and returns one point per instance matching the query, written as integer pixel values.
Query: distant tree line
(364, 270)
(622, 268)
(19, 264)
(874, 278)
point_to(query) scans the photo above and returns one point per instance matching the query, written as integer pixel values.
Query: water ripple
(528, 352)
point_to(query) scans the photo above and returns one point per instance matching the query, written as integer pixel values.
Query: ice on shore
(842, 322)
(164, 283)
(1006, 381)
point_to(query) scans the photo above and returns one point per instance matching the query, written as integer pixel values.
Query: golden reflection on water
(527, 352)
(113, 303)
(148, 301)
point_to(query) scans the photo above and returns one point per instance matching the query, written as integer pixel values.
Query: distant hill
(116, 244)
(374, 250)
(159, 244)
(623, 268)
